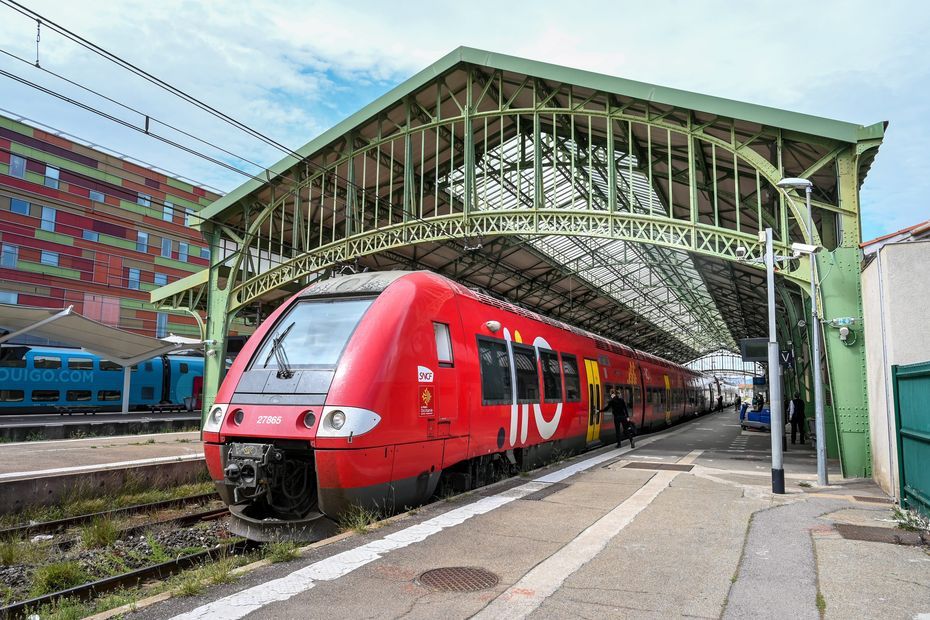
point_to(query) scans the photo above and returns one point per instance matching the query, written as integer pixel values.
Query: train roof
(374, 282)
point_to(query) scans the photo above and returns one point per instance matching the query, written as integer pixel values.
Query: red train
(369, 389)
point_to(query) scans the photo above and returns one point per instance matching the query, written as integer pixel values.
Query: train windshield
(312, 334)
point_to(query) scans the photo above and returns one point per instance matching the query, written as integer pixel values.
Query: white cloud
(281, 66)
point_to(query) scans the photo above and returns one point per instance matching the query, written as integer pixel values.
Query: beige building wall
(896, 319)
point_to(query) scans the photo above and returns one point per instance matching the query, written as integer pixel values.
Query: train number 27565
(269, 419)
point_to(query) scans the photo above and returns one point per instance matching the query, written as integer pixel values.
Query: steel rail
(60, 524)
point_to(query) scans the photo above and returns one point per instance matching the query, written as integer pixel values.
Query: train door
(438, 394)
(593, 374)
(668, 400)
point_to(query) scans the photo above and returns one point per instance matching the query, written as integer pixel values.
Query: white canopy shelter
(119, 346)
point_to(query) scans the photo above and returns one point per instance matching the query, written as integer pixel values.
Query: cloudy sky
(293, 69)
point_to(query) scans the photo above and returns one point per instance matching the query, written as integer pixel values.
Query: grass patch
(34, 436)
(19, 551)
(99, 533)
(910, 520)
(77, 502)
(190, 585)
(821, 604)
(283, 551)
(806, 485)
(358, 519)
(57, 576)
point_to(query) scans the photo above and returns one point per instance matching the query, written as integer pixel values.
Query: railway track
(59, 525)
(128, 579)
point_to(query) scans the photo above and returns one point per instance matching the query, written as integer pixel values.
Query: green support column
(841, 297)
(217, 328)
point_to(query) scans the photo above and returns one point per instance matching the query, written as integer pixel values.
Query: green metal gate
(912, 415)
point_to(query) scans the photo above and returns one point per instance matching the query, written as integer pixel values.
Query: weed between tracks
(358, 519)
(133, 493)
(911, 521)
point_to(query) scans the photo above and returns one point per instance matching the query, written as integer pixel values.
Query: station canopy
(606, 203)
(70, 328)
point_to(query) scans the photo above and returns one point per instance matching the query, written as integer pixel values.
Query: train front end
(264, 434)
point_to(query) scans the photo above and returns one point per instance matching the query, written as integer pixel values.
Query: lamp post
(775, 406)
(822, 480)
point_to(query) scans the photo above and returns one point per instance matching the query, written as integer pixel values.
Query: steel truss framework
(609, 204)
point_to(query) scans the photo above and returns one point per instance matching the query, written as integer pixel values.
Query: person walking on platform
(796, 416)
(622, 422)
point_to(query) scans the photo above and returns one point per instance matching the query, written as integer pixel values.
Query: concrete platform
(41, 472)
(55, 426)
(610, 534)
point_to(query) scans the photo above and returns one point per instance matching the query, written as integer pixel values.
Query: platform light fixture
(808, 186)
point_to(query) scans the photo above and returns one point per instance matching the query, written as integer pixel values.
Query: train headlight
(346, 422)
(238, 416)
(309, 419)
(215, 418)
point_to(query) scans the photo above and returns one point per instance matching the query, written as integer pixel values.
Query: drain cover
(458, 579)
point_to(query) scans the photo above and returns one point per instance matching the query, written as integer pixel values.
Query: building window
(134, 279)
(97, 196)
(51, 177)
(161, 279)
(142, 241)
(166, 247)
(205, 253)
(161, 325)
(90, 235)
(144, 199)
(9, 297)
(48, 219)
(49, 258)
(19, 206)
(187, 216)
(17, 166)
(182, 251)
(9, 255)
(168, 213)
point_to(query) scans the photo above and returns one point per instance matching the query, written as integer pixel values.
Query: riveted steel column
(217, 326)
(841, 296)
(469, 148)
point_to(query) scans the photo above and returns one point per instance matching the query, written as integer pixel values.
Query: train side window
(183, 368)
(148, 392)
(13, 363)
(46, 361)
(108, 365)
(148, 366)
(524, 361)
(495, 372)
(45, 396)
(572, 381)
(443, 344)
(11, 396)
(109, 395)
(78, 395)
(80, 363)
(552, 379)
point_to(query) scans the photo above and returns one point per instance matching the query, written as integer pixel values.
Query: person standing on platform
(796, 415)
(622, 424)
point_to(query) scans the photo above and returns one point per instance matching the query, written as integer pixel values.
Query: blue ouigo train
(35, 379)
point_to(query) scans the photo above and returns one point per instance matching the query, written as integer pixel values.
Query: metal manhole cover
(458, 579)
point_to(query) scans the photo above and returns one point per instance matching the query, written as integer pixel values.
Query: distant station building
(88, 228)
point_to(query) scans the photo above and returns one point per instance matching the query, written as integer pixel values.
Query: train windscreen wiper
(280, 356)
